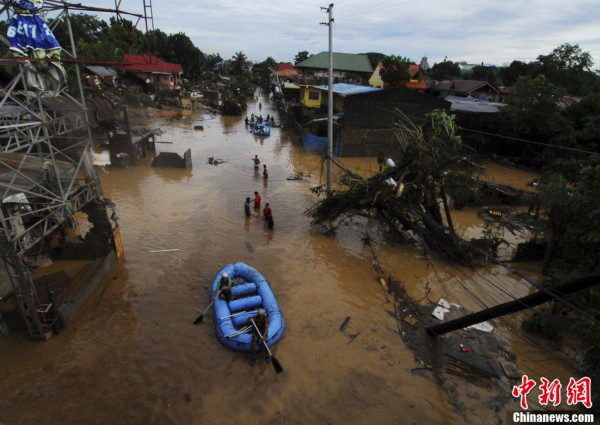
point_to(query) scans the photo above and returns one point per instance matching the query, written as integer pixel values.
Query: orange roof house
(287, 70)
(151, 69)
(417, 79)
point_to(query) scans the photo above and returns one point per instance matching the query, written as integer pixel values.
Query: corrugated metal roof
(345, 89)
(102, 109)
(466, 104)
(291, 86)
(462, 86)
(102, 71)
(60, 103)
(341, 62)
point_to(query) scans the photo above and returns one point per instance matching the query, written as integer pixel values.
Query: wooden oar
(271, 357)
(201, 317)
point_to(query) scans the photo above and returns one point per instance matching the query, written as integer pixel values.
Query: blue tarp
(310, 140)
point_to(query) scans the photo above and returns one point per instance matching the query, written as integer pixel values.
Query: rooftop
(149, 63)
(341, 62)
(462, 86)
(345, 89)
(466, 104)
(102, 71)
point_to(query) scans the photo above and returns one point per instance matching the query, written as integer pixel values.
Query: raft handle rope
(241, 331)
(237, 314)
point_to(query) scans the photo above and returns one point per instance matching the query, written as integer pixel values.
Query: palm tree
(238, 63)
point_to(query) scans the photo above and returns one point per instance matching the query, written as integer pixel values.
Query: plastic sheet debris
(443, 307)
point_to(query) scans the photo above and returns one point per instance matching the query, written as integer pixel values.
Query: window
(313, 95)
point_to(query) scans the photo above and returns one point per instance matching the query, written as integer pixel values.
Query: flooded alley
(132, 355)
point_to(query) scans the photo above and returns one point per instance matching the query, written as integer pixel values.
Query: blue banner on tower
(30, 32)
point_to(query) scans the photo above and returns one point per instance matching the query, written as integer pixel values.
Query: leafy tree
(238, 64)
(375, 58)
(212, 59)
(571, 194)
(446, 70)
(511, 73)
(584, 117)
(486, 73)
(568, 67)
(269, 64)
(301, 56)
(183, 51)
(395, 72)
(264, 69)
(534, 113)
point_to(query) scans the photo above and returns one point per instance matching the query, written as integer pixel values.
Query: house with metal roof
(152, 69)
(340, 92)
(466, 88)
(344, 64)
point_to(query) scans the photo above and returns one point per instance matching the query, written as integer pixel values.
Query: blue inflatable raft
(250, 291)
(262, 130)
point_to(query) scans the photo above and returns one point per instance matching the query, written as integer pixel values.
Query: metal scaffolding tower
(46, 166)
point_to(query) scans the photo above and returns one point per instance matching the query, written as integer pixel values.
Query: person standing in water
(256, 161)
(256, 200)
(268, 216)
(265, 172)
(247, 207)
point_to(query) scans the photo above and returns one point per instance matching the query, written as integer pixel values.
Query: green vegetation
(571, 196)
(301, 56)
(108, 41)
(395, 72)
(446, 70)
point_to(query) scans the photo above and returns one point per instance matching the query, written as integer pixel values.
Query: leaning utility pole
(330, 100)
(529, 301)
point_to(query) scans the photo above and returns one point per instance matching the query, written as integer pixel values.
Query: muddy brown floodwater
(132, 354)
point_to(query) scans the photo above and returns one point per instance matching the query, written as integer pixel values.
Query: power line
(485, 132)
(517, 139)
(379, 8)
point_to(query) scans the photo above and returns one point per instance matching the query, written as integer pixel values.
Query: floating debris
(213, 161)
(166, 250)
(344, 324)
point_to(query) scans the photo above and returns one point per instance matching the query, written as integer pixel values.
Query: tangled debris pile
(407, 197)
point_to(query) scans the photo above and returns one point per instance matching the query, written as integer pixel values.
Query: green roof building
(342, 63)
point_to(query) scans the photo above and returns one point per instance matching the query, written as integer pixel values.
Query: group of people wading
(267, 214)
(258, 120)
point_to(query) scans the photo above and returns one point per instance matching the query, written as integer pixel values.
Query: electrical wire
(482, 132)
(366, 11)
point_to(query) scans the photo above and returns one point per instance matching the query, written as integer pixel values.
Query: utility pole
(531, 300)
(330, 100)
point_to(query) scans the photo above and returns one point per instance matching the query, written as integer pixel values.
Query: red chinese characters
(579, 392)
(550, 392)
(522, 390)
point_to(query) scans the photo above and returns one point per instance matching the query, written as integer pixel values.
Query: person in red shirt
(256, 200)
(268, 216)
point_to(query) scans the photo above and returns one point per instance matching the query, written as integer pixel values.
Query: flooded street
(132, 353)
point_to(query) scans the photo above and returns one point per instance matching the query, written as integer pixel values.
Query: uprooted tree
(431, 160)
